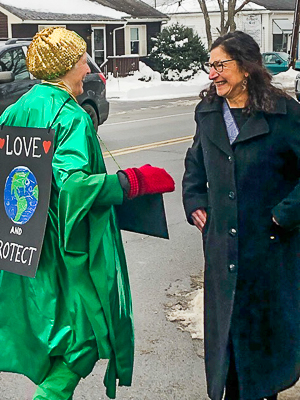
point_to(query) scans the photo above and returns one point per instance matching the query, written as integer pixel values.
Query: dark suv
(15, 80)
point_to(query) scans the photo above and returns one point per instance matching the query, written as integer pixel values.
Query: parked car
(15, 80)
(277, 61)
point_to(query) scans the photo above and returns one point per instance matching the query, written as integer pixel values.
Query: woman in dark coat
(241, 190)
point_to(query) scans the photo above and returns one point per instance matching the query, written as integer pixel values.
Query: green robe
(79, 304)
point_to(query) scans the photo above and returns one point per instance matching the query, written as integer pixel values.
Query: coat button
(231, 195)
(230, 159)
(232, 268)
(233, 232)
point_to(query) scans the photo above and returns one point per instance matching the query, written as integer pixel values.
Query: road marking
(134, 149)
(147, 119)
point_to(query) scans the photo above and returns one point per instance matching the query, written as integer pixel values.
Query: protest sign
(25, 184)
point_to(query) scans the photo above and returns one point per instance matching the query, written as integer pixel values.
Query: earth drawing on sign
(21, 195)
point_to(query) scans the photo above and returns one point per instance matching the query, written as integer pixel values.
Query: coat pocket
(206, 226)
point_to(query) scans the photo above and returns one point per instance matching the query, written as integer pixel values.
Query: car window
(284, 56)
(270, 58)
(14, 60)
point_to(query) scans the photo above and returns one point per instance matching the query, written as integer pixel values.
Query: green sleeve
(73, 169)
(82, 182)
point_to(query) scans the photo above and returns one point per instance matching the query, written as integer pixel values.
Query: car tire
(92, 113)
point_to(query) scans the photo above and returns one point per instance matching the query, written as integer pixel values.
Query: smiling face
(74, 78)
(229, 82)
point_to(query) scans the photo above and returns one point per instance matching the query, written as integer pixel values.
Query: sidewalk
(291, 394)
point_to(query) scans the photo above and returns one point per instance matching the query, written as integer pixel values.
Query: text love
(30, 147)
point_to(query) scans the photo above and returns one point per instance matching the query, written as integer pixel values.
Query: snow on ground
(286, 80)
(151, 87)
(189, 313)
(66, 7)
(146, 84)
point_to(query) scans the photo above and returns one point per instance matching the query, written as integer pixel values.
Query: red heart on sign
(46, 146)
(2, 141)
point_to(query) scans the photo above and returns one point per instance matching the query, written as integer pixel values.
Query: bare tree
(227, 22)
(207, 21)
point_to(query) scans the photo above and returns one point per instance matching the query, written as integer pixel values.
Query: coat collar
(256, 125)
(216, 105)
(214, 125)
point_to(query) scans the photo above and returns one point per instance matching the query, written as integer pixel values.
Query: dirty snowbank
(146, 84)
(286, 80)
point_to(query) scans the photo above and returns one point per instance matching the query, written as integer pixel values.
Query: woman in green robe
(77, 310)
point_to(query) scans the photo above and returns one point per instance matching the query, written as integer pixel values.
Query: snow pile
(146, 84)
(286, 80)
(146, 74)
(184, 75)
(66, 7)
(192, 6)
(190, 317)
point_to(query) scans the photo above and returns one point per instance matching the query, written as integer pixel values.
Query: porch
(121, 65)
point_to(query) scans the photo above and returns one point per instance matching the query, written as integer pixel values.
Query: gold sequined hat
(53, 52)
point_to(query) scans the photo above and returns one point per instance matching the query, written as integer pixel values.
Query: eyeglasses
(218, 65)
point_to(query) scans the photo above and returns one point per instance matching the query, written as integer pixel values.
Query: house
(270, 22)
(280, 19)
(117, 32)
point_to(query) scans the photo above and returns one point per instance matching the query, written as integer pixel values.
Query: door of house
(99, 45)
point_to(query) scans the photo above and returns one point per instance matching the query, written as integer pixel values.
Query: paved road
(168, 364)
(136, 123)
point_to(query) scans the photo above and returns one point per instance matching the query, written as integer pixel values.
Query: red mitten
(148, 180)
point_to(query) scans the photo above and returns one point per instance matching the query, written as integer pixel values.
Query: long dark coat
(252, 266)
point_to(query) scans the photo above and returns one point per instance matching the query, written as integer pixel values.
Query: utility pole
(295, 36)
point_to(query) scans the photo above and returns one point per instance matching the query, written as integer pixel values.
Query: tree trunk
(232, 11)
(231, 25)
(207, 22)
(225, 25)
(221, 30)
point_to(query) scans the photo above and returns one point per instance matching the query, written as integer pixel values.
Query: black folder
(144, 214)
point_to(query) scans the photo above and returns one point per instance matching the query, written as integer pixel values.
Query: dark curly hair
(245, 51)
